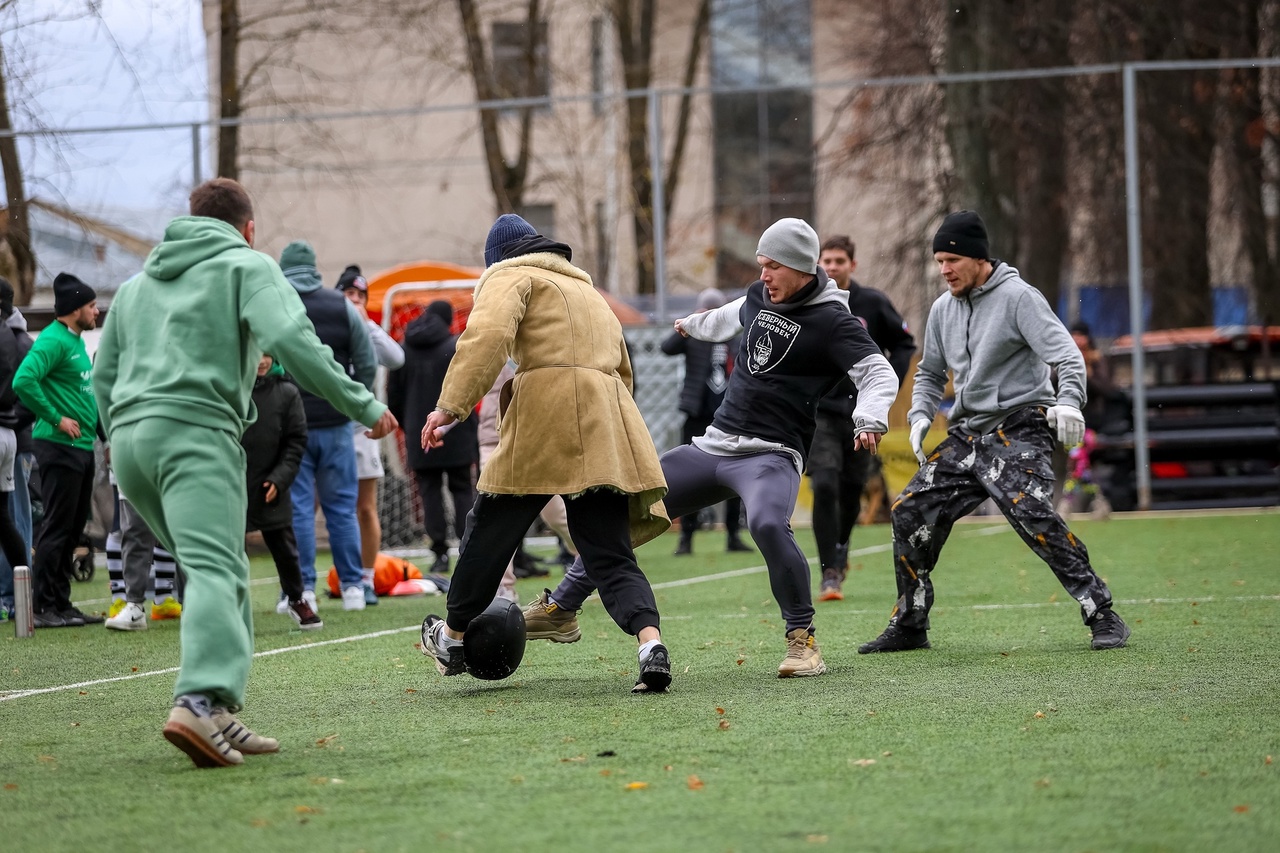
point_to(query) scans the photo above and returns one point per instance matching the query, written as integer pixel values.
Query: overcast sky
(134, 62)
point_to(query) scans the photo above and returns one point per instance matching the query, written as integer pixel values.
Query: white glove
(1068, 423)
(918, 430)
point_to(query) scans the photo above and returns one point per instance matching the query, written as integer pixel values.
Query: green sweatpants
(187, 482)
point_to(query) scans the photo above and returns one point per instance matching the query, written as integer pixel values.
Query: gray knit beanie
(709, 299)
(792, 243)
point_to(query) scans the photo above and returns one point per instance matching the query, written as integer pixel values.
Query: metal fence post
(1133, 204)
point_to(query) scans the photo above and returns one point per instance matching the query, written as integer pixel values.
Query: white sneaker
(132, 617)
(282, 606)
(352, 598)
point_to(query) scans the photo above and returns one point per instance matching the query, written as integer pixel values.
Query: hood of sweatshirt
(1000, 273)
(189, 240)
(821, 289)
(305, 278)
(16, 321)
(426, 331)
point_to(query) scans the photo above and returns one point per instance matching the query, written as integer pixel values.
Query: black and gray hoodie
(792, 353)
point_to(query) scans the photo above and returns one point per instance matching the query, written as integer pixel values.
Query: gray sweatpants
(768, 484)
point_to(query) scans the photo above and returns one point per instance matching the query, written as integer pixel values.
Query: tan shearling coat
(567, 421)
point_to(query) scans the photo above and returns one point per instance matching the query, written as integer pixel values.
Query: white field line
(751, 570)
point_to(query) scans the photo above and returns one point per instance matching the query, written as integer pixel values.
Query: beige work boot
(544, 620)
(240, 736)
(803, 656)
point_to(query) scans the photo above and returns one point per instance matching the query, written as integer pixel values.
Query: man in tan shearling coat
(568, 426)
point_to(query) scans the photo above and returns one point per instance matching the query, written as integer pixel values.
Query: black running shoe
(655, 671)
(896, 639)
(1109, 630)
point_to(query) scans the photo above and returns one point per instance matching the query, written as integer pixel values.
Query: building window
(763, 158)
(542, 217)
(521, 69)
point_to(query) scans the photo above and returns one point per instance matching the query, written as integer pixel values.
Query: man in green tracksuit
(174, 375)
(53, 382)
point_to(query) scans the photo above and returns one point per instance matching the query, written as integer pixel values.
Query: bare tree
(18, 232)
(634, 21)
(229, 89)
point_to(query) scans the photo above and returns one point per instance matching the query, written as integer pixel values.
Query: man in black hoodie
(412, 392)
(16, 552)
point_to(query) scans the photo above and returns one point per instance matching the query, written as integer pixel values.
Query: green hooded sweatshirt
(183, 338)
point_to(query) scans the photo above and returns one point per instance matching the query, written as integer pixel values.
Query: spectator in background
(412, 394)
(273, 447)
(328, 469)
(20, 422)
(141, 559)
(369, 452)
(707, 365)
(837, 472)
(16, 550)
(54, 382)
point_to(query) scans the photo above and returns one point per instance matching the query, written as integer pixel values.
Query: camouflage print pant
(1011, 465)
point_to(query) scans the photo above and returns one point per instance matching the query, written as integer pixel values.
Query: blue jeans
(20, 511)
(329, 469)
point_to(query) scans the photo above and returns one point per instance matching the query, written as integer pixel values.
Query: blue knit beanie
(508, 229)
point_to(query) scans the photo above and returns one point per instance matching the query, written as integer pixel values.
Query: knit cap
(709, 299)
(506, 230)
(70, 294)
(963, 233)
(352, 279)
(792, 243)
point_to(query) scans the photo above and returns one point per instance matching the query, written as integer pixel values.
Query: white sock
(367, 575)
(445, 639)
(645, 648)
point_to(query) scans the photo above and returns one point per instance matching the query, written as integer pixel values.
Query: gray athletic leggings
(768, 484)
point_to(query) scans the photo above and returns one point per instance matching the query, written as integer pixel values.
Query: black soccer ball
(494, 642)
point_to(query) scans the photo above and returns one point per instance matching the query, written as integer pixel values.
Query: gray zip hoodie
(1000, 340)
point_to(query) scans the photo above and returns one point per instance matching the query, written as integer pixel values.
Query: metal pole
(1133, 204)
(195, 155)
(659, 209)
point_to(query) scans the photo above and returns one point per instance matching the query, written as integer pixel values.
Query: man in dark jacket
(12, 421)
(273, 447)
(707, 366)
(411, 395)
(837, 472)
(328, 467)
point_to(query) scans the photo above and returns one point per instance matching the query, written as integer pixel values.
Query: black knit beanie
(963, 233)
(70, 294)
(441, 309)
(352, 278)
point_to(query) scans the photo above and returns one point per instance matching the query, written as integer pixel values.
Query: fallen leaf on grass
(720, 710)
(1241, 809)
(575, 758)
(606, 772)
(1043, 783)
(258, 823)
(84, 692)
(667, 767)
(308, 810)
(637, 786)
(326, 740)
(861, 762)
(695, 784)
(886, 753)
(1268, 761)
(724, 724)
(741, 661)
(133, 668)
(47, 759)
(74, 725)
(10, 786)
(1039, 715)
(518, 780)
(410, 690)
(816, 839)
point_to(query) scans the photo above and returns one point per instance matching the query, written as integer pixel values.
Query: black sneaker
(896, 639)
(449, 656)
(842, 556)
(70, 618)
(1109, 630)
(655, 671)
(737, 545)
(85, 618)
(49, 619)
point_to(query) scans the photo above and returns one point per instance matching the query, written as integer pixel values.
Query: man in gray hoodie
(999, 337)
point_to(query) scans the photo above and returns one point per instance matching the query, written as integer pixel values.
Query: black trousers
(66, 485)
(283, 546)
(694, 427)
(599, 527)
(838, 474)
(463, 492)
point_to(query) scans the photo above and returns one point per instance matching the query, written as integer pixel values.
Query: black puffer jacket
(413, 390)
(273, 446)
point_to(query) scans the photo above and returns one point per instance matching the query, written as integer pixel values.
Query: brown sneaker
(544, 620)
(191, 729)
(803, 656)
(240, 736)
(832, 581)
(302, 613)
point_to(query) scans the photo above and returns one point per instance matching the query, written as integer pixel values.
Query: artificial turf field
(1010, 734)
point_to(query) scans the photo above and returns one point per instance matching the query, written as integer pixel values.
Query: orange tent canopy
(466, 278)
